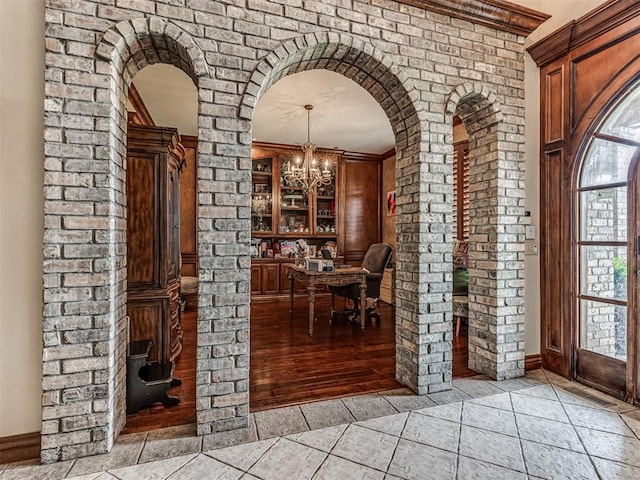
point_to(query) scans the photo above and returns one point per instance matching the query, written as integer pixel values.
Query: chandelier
(306, 172)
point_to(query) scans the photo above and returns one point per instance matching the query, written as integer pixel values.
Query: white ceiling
(344, 116)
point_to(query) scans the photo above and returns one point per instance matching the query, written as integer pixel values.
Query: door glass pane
(261, 191)
(606, 162)
(625, 120)
(603, 328)
(603, 215)
(604, 272)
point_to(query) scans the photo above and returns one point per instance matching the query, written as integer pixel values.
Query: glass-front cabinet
(262, 218)
(295, 207)
(281, 208)
(325, 209)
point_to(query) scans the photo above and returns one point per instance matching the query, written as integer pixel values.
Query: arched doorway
(606, 249)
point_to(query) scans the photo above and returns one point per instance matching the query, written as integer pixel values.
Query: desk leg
(292, 282)
(311, 289)
(363, 303)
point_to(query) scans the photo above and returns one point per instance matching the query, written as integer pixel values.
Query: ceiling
(344, 116)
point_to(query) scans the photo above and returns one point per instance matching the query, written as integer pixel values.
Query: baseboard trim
(533, 362)
(17, 448)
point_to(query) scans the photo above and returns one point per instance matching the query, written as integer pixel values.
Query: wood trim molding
(17, 448)
(389, 153)
(189, 141)
(602, 19)
(498, 14)
(533, 362)
(139, 106)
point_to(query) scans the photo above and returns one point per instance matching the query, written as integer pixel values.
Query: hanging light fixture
(307, 171)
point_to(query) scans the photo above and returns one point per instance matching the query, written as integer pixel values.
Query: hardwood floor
(288, 367)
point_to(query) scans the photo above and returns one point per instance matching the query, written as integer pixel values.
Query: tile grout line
(459, 442)
(515, 420)
(586, 451)
(404, 425)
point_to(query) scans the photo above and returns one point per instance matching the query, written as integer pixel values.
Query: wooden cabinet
(347, 211)
(281, 208)
(154, 160)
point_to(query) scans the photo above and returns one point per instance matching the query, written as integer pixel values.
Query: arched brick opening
(423, 329)
(84, 324)
(496, 232)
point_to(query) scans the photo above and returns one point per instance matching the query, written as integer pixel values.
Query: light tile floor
(539, 426)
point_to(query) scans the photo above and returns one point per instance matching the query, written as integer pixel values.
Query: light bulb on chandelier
(306, 172)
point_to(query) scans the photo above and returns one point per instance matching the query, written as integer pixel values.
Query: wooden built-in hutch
(154, 160)
(347, 218)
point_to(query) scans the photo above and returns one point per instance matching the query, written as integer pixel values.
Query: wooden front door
(607, 249)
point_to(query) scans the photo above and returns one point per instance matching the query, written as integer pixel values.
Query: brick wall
(421, 67)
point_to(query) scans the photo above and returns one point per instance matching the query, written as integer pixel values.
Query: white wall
(21, 206)
(21, 223)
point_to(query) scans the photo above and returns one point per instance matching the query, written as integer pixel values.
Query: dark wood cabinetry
(154, 160)
(347, 212)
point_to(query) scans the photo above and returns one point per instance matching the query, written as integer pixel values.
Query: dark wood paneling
(586, 65)
(188, 207)
(142, 219)
(593, 73)
(362, 200)
(256, 279)
(554, 105)
(554, 274)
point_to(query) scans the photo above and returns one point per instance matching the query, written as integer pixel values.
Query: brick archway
(496, 237)
(85, 325)
(390, 87)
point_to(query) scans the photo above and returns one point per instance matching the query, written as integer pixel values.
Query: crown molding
(138, 104)
(499, 14)
(602, 19)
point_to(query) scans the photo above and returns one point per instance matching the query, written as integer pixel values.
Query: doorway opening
(162, 264)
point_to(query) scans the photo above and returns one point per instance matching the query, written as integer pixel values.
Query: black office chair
(375, 261)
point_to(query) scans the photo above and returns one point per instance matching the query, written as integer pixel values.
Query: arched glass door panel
(624, 121)
(603, 247)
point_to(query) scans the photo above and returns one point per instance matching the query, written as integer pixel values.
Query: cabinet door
(295, 207)
(285, 284)
(148, 321)
(143, 219)
(256, 279)
(325, 204)
(262, 196)
(270, 278)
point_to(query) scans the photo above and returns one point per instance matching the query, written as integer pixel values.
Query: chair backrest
(377, 257)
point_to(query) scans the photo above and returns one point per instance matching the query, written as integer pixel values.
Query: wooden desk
(339, 276)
